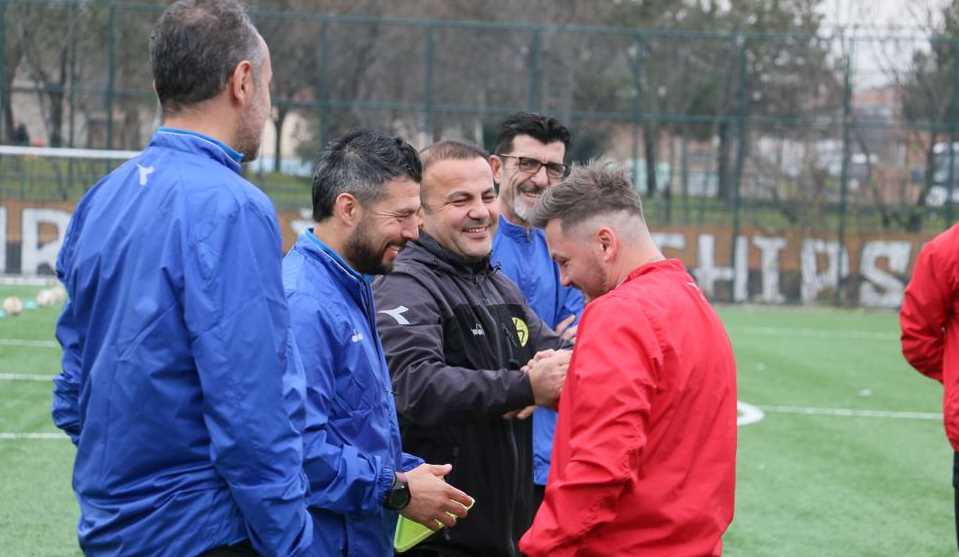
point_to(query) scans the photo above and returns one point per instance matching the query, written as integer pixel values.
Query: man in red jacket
(930, 328)
(644, 460)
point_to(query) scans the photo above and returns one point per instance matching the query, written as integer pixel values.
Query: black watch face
(400, 497)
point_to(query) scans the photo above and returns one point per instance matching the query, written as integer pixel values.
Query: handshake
(547, 372)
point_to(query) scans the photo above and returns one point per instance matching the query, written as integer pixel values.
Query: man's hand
(547, 372)
(566, 330)
(433, 502)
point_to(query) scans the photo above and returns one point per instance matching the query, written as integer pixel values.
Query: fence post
(111, 71)
(73, 85)
(534, 72)
(428, 84)
(844, 172)
(743, 114)
(637, 106)
(953, 114)
(324, 84)
(3, 71)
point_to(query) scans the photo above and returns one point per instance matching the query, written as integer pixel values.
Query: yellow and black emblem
(522, 331)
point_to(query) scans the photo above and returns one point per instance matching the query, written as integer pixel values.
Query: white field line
(850, 413)
(748, 414)
(51, 436)
(27, 343)
(27, 280)
(26, 377)
(818, 333)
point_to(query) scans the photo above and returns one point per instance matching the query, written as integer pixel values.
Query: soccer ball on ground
(13, 306)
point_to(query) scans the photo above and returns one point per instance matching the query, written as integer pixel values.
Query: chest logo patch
(144, 173)
(397, 314)
(522, 331)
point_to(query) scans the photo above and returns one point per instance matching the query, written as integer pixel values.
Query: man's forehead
(402, 187)
(529, 145)
(456, 177)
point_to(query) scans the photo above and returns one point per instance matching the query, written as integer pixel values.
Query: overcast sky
(879, 12)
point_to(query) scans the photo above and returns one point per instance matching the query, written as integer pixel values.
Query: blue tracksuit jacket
(352, 438)
(522, 255)
(180, 384)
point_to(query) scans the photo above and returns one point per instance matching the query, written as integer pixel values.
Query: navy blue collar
(230, 151)
(335, 257)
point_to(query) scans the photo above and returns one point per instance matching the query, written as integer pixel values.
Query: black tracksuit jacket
(456, 335)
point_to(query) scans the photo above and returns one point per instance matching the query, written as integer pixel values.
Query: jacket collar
(660, 265)
(445, 259)
(514, 230)
(194, 142)
(346, 275)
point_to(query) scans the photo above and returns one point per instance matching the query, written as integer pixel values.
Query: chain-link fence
(838, 135)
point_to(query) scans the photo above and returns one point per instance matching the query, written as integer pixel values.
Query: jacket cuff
(520, 393)
(409, 462)
(384, 482)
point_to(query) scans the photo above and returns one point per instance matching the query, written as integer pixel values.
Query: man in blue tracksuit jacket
(366, 204)
(528, 158)
(180, 383)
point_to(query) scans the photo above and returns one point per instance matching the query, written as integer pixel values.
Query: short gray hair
(599, 188)
(195, 47)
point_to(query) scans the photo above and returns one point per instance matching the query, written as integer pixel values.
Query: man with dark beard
(366, 202)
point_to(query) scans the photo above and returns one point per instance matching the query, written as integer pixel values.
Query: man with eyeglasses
(529, 154)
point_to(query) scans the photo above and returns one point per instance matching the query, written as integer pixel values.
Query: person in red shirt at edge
(929, 319)
(644, 460)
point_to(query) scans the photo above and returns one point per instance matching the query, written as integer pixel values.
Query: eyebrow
(458, 193)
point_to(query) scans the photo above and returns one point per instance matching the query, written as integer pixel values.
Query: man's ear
(607, 243)
(347, 209)
(496, 164)
(241, 83)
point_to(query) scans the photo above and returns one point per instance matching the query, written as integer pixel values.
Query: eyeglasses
(529, 165)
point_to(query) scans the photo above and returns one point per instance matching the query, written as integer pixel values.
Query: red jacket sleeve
(927, 305)
(615, 363)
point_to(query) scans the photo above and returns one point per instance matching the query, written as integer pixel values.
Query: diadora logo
(478, 330)
(397, 314)
(522, 331)
(357, 336)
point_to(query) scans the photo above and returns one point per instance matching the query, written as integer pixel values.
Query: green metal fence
(844, 130)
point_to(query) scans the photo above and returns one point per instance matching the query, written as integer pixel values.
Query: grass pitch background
(808, 484)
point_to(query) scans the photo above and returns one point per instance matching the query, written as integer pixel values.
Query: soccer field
(849, 458)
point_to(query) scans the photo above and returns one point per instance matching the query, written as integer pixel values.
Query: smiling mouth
(476, 229)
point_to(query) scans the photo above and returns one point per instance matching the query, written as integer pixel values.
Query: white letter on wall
(812, 280)
(769, 249)
(666, 240)
(707, 273)
(33, 255)
(897, 254)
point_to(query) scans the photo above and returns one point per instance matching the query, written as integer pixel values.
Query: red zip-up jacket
(644, 460)
(928, 319)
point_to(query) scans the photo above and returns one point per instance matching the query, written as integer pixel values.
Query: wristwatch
(398, 496)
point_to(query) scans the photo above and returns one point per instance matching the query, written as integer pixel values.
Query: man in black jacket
(466, 355)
